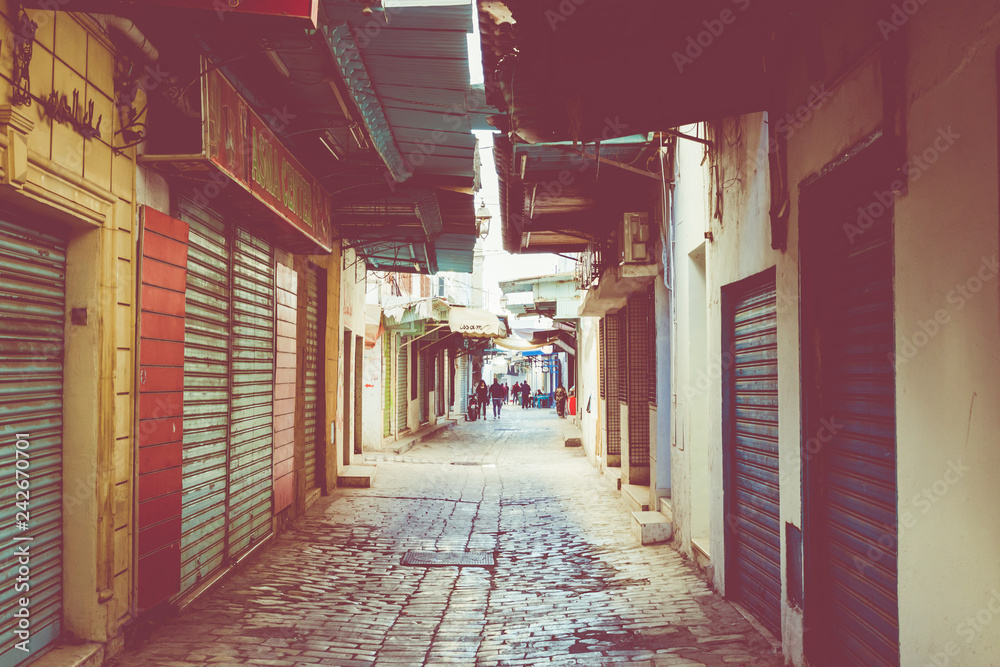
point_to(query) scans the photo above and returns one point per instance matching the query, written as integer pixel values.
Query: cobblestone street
(570, 586)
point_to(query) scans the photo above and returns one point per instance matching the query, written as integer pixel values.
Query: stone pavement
(570, 585)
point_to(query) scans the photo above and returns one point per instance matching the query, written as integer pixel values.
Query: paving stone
(570, 586)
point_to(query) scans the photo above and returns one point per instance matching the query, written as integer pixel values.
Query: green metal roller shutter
(32, 312)
(251, 421)
(206, 399)
(421, 360)
(310, 390)
(401, 376)
(387, 385)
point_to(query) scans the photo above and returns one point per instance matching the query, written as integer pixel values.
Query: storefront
(253, 373)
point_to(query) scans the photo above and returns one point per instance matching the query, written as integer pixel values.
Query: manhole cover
(441, 558)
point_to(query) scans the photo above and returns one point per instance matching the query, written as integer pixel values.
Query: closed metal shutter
(638, 364)
(602, 353)
(651, 333)
(440, 382)
(401, 375)
(854, 547)
(32, 308)
(463, 384)
(252, 406)
(206, 399)
(753, 540)
(387, 385)
(310, 389)
(421, 360)
(613, 385)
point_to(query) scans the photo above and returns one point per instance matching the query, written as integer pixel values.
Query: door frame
(730, 295)
(870, 166)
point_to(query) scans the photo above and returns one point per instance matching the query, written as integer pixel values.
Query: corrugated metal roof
(418, 66)
(454, 252)
(362, 89)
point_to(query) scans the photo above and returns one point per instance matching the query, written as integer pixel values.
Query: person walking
(525, 394)
(482, 392)
(561, 401)
(496, 393)
(516, 393)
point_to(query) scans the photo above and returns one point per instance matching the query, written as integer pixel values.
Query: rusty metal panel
(32, 307)
(750, 404)
(312, 380)
(252, 402)
(206, 397)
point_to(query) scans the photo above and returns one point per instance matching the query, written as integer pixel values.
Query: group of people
(498, 394)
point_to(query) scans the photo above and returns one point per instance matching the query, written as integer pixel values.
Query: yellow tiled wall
(69, 54)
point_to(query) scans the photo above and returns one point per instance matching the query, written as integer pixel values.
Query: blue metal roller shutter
(206, 399)
(32, 313)
(857, 466)
(753, 538)
(252, 404)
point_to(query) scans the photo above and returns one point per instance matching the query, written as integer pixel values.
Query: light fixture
(483, 218)
(278, 63)
(331, 145)
(359, 136)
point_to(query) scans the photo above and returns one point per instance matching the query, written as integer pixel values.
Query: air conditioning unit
(635, 239)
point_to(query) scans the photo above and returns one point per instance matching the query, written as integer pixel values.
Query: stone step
(651, 527)
(613, 476)
(636, 497)
(665, 508)
(357, 476)
(699, 547)
(572, 436)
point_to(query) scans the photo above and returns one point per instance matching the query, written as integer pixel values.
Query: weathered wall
(85, 185)
(692, 465)
(588, 387)
(372, 397)
(948, 377)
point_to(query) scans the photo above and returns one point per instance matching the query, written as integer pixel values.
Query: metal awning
(476, 323)
(586, 75)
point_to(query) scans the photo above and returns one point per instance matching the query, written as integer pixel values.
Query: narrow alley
(570, 587)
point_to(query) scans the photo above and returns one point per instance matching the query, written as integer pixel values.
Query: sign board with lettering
(245, 166)
(244, 147)
(306, 11)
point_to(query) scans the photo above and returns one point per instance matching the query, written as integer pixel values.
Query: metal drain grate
(466, 463)
(443, 558)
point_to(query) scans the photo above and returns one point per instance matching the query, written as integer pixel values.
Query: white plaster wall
(686, 396)
(588, 384)
(741, 247)
(948, 382)
(372, 397)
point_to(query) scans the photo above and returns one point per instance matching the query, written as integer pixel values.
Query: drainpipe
(127, 29)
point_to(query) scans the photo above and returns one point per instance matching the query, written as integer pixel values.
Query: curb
(446, 424)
